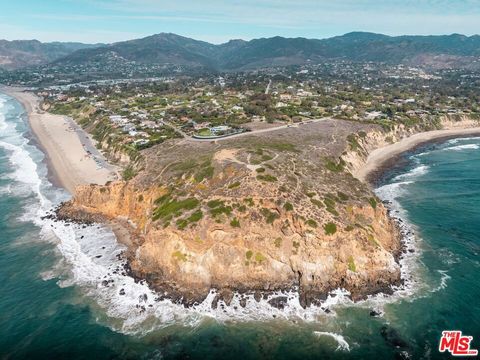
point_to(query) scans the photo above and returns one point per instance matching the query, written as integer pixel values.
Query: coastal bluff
(256, 215)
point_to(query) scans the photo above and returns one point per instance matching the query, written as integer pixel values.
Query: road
(267, 90)
(261, 131)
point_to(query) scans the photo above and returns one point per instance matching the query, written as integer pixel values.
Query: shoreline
(383, 158)
(71, 158)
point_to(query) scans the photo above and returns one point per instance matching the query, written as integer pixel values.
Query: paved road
(261, 131)
(267, 90)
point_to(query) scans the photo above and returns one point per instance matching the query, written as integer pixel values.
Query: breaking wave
(342, 343)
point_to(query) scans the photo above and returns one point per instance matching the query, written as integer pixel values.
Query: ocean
(63, 294)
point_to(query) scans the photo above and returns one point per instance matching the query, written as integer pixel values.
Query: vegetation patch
(260, 170)
(249, 254)
(128, 173)
(227, 210)
(214, 203)
(235, 223)
(288, 206)
(330, 228)
(351, 264)
(267, 177)
(317, 203)
(181, 224)
(335, 166)
(342, 196)
(206, 172)
(278, 242)
(312, 223)
(234, 185)
(260, 258)
(179, 256)
(373, 202)
(270, 216)
(353, 142)
(168, 206)
(249, 201)
(196, 216)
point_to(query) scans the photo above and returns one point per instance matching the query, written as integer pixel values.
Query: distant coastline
(383, 158)
(67, 156)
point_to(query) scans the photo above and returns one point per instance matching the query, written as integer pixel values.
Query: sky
(217, 21)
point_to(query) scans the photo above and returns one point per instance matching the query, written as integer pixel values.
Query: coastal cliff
(255, 216)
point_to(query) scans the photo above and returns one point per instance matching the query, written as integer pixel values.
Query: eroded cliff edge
(254, 214)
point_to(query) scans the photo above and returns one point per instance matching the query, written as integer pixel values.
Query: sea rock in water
(279, 302)
(392, 337)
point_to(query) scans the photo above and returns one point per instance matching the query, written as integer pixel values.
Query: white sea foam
(457, 140)
(444, 277)
(412, 174)
(463, 147)
(342, 343)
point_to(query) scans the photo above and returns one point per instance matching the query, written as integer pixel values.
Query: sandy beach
(381, 156)
(71, 156)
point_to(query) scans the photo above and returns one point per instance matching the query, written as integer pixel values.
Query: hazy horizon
(240, 39)
(108, 21)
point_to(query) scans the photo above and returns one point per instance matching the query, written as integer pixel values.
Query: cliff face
(254, 221)
(256, 256)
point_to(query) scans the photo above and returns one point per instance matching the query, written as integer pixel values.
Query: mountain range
(22, 53)
(436, 51)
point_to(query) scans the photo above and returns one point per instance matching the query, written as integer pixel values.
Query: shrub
(259, 257)
(312, 223)
(214, 203)
(181, 224)
(196, 216)
(330, 228)
(288, 206)
(373, 202)
(260, 170)
(270, 216)
(342, 196)
(249, 254)
(267, 177)
(335, 167)
(128, 173)
(227, 210)
(329, 202)
(351, 264)
(235, 223)
(234, 185)
(278, 242)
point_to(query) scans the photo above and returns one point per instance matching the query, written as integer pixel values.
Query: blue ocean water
(60, 296)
